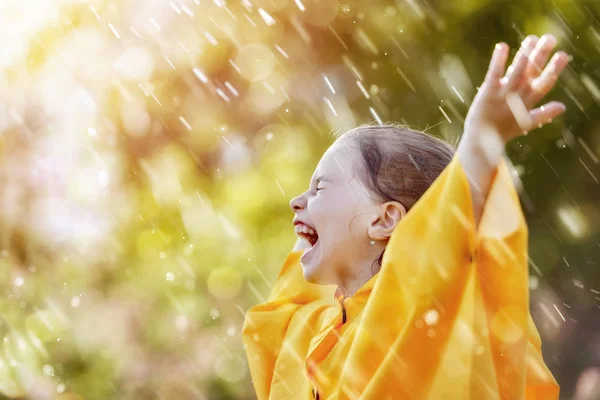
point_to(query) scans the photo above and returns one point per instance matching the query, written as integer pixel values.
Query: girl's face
(339, 209)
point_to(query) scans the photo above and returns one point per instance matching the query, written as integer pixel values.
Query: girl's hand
(502, 110)
(503, 105)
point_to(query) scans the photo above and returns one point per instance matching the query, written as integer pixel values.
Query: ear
(385, 220)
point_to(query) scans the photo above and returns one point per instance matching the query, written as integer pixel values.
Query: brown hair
(399, 164)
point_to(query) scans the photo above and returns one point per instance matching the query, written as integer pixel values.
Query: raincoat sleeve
(285, 322)
(449, 316)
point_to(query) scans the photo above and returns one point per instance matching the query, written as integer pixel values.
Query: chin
(313, 272)
(309, 278)
(309, 273)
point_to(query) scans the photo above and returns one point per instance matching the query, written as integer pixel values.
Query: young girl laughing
(410, 279)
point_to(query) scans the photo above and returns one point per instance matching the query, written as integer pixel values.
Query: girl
(409, 280)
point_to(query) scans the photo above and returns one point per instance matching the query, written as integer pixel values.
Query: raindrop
(112, 28)
(75, 301)
(533, 282)
(431, 317)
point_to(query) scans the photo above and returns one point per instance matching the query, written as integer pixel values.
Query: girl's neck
(352, 284)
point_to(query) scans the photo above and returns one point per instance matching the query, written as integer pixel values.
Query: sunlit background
(149, 149)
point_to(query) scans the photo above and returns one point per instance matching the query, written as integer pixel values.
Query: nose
(298, 203)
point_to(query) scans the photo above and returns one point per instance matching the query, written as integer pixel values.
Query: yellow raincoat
(446, 317)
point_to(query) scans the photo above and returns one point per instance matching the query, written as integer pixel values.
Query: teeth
(300, 228)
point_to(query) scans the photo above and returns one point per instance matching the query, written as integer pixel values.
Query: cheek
(338, 219)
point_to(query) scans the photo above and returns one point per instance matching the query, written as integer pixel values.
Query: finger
(519, 110)
(520, 63)
(511, 68)
(545, 114)
(539, 55)
(546, 81)
(497, 65)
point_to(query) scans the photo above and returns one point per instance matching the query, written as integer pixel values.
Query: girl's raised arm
(503, 109)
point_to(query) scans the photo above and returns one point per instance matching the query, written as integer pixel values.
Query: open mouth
(308, 233)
